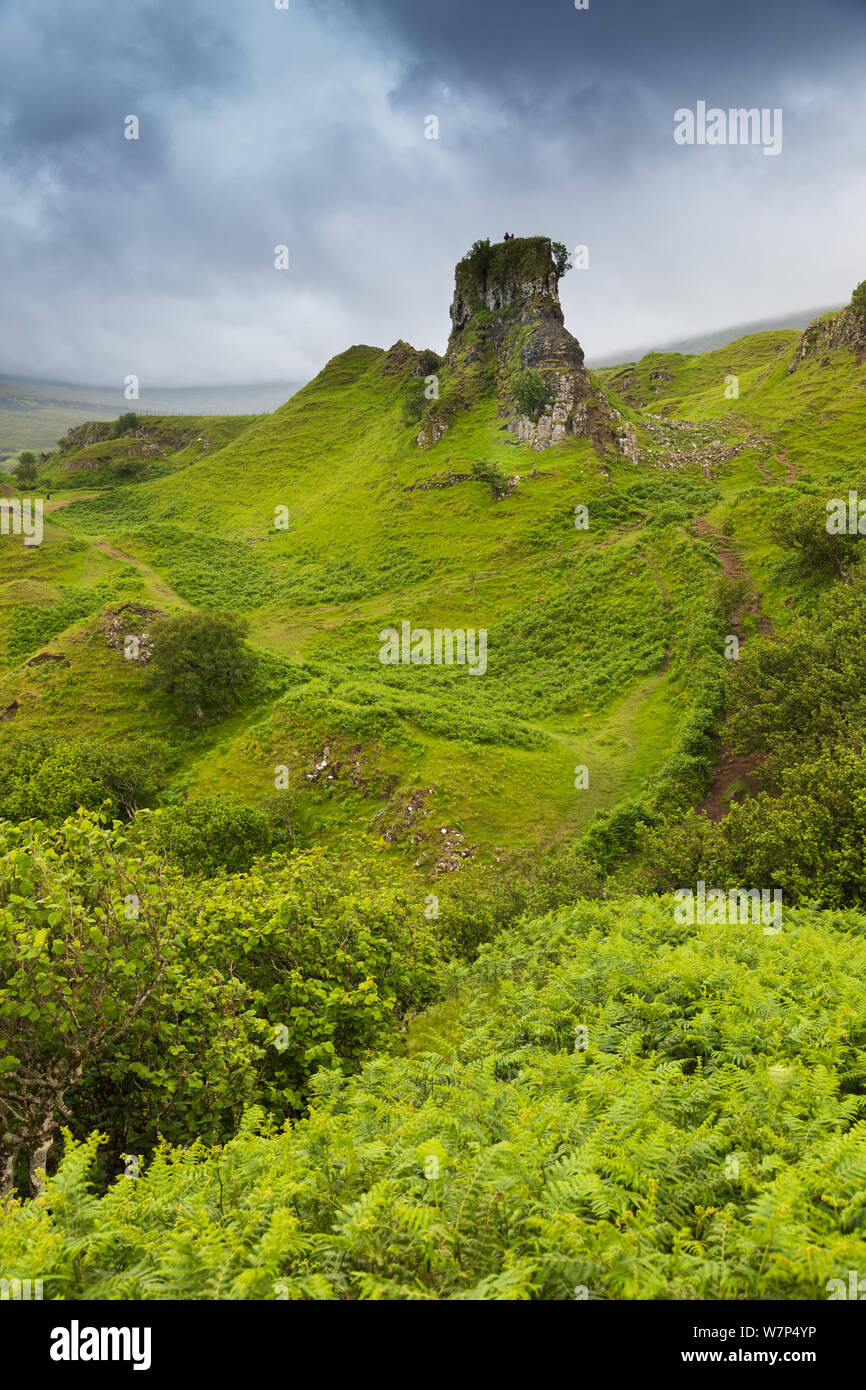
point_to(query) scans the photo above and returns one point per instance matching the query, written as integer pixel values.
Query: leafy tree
(560, 258)
(49, 779)
(858, 299)
(87, 955)
(332, 956)
(529, 391)
(806, 838)
(201, 662)
(491, 474)
(803, 523)
(124, 424)
(26, 469)
(477, 259)
(209, 833)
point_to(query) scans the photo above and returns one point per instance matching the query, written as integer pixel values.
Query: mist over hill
(706, 342)
(35, 413)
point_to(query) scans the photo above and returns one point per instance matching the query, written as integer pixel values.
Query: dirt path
(757, 437)
(66, 501)
(733, 567)
(157, 586)
(6, 491)
(732, 767)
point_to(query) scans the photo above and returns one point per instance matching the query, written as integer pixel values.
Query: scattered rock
(126, 621)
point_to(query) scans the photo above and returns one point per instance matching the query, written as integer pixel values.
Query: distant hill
(34, 414)
(708, 341)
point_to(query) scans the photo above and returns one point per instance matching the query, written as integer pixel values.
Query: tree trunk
(37, 1160)
(8, 1155)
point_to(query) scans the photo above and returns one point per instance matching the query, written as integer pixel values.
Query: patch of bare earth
(733, 771)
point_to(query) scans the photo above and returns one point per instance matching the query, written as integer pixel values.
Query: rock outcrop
(844, 331)
(507, 331)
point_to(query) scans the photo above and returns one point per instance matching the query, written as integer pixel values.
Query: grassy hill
(438, 877)
(590, 632)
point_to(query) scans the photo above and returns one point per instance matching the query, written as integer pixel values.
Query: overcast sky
(306, 127)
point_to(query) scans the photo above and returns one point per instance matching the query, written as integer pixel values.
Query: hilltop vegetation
(377, 903)
(688, 1143)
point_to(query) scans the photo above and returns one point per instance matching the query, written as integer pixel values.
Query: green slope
(610, 1106)
(591, 633)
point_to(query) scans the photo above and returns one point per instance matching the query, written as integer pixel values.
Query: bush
(477, 259)
(334, 959)
(94, 991)
(560, 258)
(25, 470)
(803, 524)
(491, 474)
(209, 833)
(49, 779)
(124, 424)
(529, 391)
(201, 662)
(147, 1007)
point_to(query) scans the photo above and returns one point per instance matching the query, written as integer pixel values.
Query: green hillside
(365, 852)
(690, 1144)
(591, 633)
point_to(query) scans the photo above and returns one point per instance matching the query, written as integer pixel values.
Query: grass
(586, 629)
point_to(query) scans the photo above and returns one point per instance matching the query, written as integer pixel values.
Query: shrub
(124, 424)
(529, 391)
(201, 662)
(560, 258)
(491, 474)
(209, 833)
(477, 259)
(94, 991)
(48, 779)
(25, 470)
(803, 524)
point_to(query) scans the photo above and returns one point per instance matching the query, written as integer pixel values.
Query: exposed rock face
(845, 331)
(81, 435)
(518, 273)
(403, 356)
(507, 322)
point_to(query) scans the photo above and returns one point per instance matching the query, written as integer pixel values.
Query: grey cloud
(306, 127)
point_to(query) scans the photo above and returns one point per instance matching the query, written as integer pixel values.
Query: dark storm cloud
(306, 127)
(541, 44)
(72, 71)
